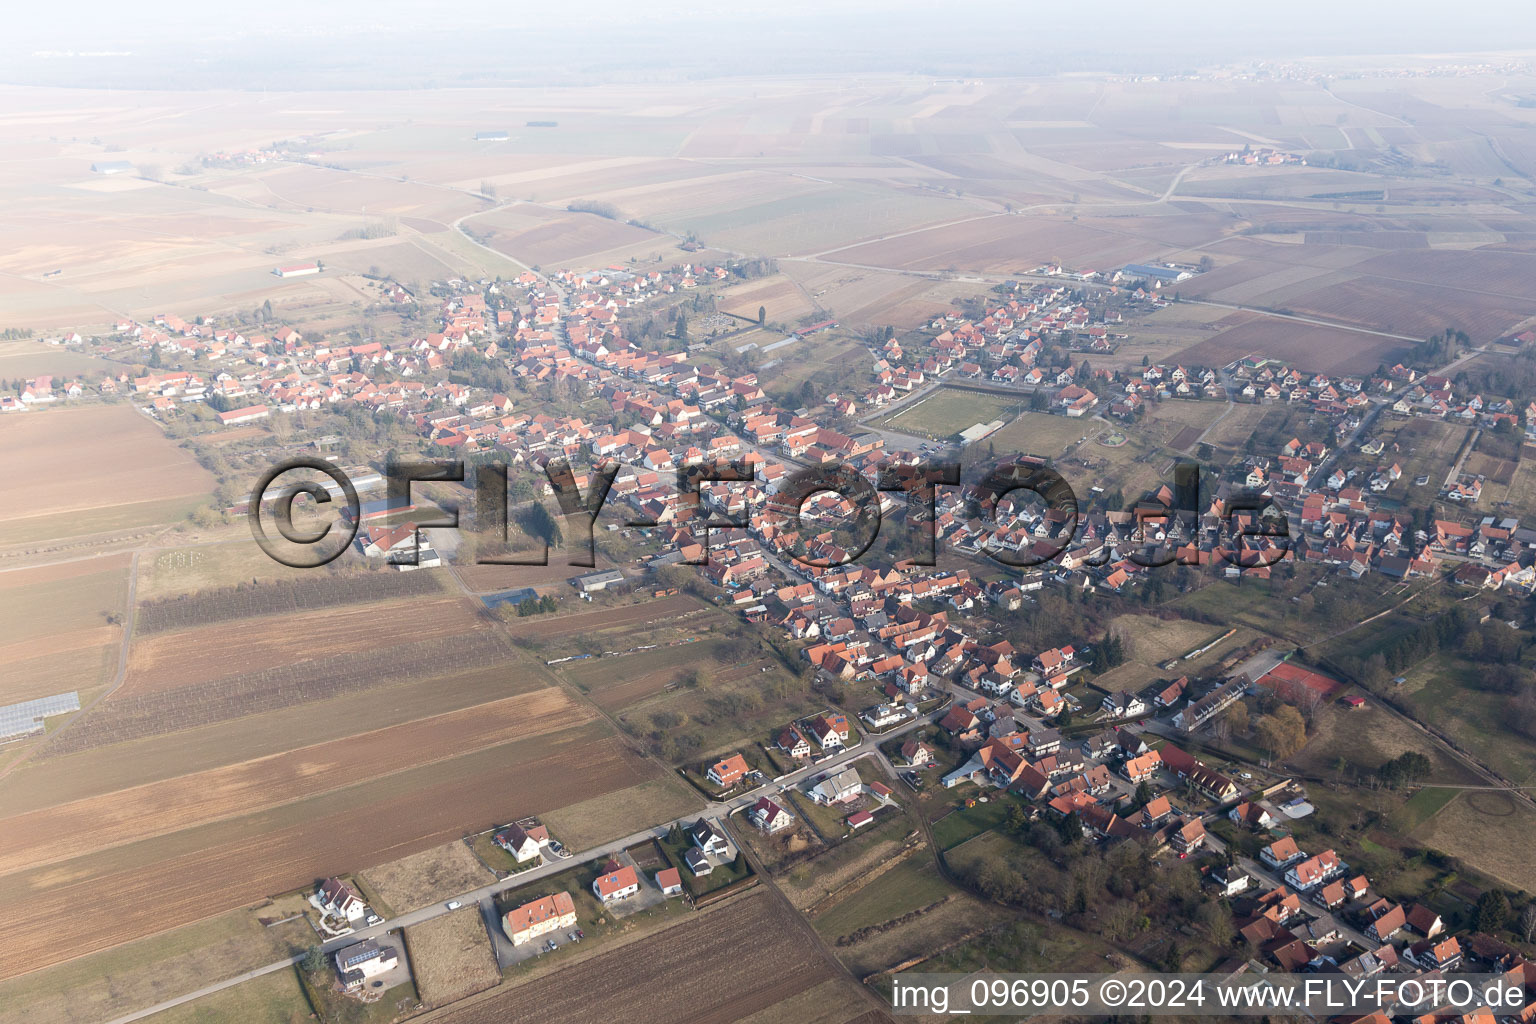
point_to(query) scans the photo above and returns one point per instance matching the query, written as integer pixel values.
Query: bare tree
(1526, 927)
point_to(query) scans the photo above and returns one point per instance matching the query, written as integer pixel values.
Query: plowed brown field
(159, 883)
(42, 837)
(195, 656)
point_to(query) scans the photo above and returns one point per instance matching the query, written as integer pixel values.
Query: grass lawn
(910, 885)
(275, 998)
(1039, 433)
(113, 982)
(498, 858)
(946, 412)
(968, 822)
(1422, 806)
(698, 885)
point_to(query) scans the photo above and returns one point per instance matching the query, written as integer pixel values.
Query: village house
(523, 845)
(728, 772)
(769, 816)
(619, 884)
(363, 960)
(540, 917)
(841, 788)
(338, 899)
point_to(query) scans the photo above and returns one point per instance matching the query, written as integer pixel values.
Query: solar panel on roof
(27, 717)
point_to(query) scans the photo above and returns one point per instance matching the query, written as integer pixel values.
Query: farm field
(451, 957)
(125, 474)
(122, 717)
(1179, 423)
(45, 782)
(275, 998)
(141, 887)
(1445, 691)
(639, 979)
(485, 579)
(1151, 641)
(117, 818)
(22, 359)
(230, 559)
(110, 983)
(778, 295)
(710, 684)
(62, 626)
(866, 295)
(1314, 347)
(814, 221)
(588, 823)
(1521, 492)
(1413, 292)
(911, 885)
(947, 411)
(329, 190)
(561, 627)
(196, 657)
(1229, 435)
(1365, 738)
(541, 237)
(1424, 447)
(998, 244)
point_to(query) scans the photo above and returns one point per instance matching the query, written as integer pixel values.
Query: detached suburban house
(338, 899)
(524, 845)
(841, 788)
(363, 960)
(729, 771)
(616, 885)
(770, 816)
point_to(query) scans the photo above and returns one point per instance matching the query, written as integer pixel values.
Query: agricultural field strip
(202, 654)
(295, 595)
(129, 717)
(143, 889)
(40, 837)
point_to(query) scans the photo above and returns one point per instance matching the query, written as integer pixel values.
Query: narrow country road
(714, 811)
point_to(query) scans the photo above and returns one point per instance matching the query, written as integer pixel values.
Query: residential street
(485, 895)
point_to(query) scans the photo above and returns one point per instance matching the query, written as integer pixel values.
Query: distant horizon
(395, 45)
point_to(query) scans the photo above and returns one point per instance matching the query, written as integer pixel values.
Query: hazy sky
(384, 42)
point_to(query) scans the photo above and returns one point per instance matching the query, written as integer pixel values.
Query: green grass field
(946, 412)
(1444, 690)
(908, 886)
(1422, 806)
(969, 822)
